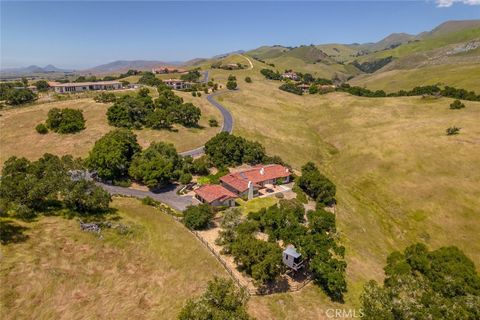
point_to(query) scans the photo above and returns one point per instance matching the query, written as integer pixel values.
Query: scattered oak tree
(198, 217)
(65, 120)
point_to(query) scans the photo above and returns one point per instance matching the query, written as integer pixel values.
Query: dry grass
(400, 179)
(18, 135)
(63, 273)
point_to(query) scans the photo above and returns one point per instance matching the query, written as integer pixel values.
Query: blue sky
(84, 34)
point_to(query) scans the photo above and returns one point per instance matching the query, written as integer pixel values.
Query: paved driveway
(167, 195)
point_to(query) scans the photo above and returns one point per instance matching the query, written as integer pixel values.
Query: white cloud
(448, 3)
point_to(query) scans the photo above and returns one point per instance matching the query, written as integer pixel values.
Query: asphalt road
(227, 122)
(167, 195)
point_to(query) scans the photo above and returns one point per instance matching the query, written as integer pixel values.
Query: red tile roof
(258, 174)
(213, 192)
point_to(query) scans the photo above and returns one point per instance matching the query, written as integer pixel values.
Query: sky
(81, 34)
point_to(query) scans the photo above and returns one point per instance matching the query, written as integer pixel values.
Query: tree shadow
(11, 232)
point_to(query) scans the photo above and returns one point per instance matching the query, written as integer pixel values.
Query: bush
(42, 85)
(41, 128)
(65, 120)
(20, 96)
(105, 97)
(457, 104)
(248, 80)
(194, 93)
(231, 85)
(149, 201)
(199, 94)
(213, 123)
(185, 178)
(452, 131)
(292, 88)
(198, 217)
(85, 196)
(316, 185)
(149, 79)
(271, 75)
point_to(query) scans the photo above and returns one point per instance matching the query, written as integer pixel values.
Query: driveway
(227, 122)
(167, 195)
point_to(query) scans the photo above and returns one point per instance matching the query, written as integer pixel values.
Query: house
(291, 258)
(86, 86)
(166, 69)
(177, 84)
(290, 75)
(31, 88)
(215, 195)
(304, 87)
(248, 182)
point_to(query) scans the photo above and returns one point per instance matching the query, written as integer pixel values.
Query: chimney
(262, 171)
(250, 190)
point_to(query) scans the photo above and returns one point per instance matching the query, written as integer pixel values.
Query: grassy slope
(460, 76)
(61, 272)
(20, 138)
(399, 178)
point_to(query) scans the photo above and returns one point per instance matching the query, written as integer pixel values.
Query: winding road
(168, 195)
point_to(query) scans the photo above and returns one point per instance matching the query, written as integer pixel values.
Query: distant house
(166, 69)
(304, 87)
(177, 84)
(248, 182)
(86, 86)
(215, 195)
(31, 88)
(290, 75)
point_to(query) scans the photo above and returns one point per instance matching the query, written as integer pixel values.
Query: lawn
(256, 204)
(18, 135)
(399, 178)
(60, 272)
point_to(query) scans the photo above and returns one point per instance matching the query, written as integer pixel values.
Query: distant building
(86, 86)
(31, 88)
(177, 84)
(215, 195)
(290, 75)
(304, 87)
(248, 182)
(166, 69)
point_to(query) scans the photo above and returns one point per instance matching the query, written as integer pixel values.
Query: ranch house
(177, 84)
(248, 183)
(86, 86)
(215, 195)
(290, 75)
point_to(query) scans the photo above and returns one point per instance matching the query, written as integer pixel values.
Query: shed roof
(291, 251)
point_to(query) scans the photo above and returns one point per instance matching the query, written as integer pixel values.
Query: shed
(292, 258)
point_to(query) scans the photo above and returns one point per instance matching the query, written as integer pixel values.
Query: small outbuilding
(292, 258)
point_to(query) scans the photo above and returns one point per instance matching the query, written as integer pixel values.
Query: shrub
(316, 185)
(65, 120)
(292, 88)
(457, 104)
(199, 94)
(213, 123)
(194, 93)
(41, 128)
(20, 96)
(271, 75)
(231, 85)
(105, 97)
(85, 196)
(185, 178)
(232, 78)
(149, 201)
(42, 85)
(248, 80)
(453, 131)
(198, 217)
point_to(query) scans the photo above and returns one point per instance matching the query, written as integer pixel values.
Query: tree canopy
(222, 300)
(111, 155)
(198, 217)
(157, 165)
(65, 120)
(423, 284)
(316, 185)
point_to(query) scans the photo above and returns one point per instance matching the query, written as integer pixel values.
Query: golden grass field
(399, 180)
(60, 272)
(460, 76)
(18, 135)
